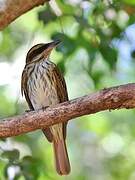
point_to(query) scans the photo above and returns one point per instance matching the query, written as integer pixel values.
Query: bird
(43, 85)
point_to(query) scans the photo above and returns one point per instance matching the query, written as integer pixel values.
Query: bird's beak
(50, 47)
(54, 43)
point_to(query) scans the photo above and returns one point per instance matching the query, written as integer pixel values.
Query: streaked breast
(41, 90)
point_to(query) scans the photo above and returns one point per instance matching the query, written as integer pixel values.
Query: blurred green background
(98, 51)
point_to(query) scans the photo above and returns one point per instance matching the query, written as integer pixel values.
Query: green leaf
(68, 45)
(83, 22)
(61, 66)
(96, 76)
(132, 2)
(133, 54)
(109, 54)
(46, 16)
(12, 155)
(10, 40)
(30, 167)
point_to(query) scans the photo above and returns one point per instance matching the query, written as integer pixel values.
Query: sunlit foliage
(97, 51)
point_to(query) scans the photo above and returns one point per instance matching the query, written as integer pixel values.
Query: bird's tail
(61, 156)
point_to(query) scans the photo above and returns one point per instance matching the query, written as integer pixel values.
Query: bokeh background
(97, 51)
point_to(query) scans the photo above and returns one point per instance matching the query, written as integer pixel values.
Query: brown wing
(24, 90)
(60, 84)
(61, 90)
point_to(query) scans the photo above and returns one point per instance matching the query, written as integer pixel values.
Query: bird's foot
(29, 110)
(44, 108)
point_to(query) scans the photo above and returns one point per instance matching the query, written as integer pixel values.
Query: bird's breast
(41, 89)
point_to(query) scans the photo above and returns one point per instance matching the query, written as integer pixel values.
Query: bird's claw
(27, 111)
(44, 108)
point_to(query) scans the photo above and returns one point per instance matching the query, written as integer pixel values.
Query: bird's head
(40, 51)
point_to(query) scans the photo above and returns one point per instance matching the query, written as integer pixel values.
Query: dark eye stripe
(35, 50)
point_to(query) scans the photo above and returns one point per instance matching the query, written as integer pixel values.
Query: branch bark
(11, 9)
(122, 96)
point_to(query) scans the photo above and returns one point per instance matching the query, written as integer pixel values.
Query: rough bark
(111, 98)
(11, 9)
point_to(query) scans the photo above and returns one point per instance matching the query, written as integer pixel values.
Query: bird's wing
(24, 90)
(60, 86)
(61, 90)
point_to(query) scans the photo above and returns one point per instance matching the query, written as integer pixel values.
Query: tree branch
(111, 98)
(11, 9)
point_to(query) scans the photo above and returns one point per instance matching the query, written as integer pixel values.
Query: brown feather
(61, 90)
(61, 157)
(59, 146)
(56, 133)
(24, 90)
